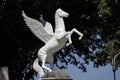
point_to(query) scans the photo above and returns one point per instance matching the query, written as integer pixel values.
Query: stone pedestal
(56, 75)
(55, 79)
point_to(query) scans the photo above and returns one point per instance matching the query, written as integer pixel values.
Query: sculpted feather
(37, 28)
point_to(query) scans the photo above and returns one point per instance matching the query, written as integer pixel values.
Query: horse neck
(59, 25)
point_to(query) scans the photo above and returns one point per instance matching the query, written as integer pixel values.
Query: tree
(111, 21)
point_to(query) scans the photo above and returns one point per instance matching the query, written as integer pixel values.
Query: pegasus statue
(54, 41)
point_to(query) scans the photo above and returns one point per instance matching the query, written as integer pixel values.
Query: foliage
(104, 10)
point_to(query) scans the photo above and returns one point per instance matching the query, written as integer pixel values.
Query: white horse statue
(53, 41)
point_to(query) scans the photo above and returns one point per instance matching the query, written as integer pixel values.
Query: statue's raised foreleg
(69, 38)
(37, 67)
(70, 34)
(76, 31)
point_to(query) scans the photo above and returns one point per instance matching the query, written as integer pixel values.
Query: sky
(101, 73)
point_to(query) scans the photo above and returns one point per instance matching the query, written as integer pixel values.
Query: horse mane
(56, 17)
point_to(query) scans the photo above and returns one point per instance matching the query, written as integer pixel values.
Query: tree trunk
(4, 73)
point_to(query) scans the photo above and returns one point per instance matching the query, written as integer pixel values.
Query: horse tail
(38, 68)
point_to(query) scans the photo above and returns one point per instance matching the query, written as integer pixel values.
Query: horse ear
(59, 9)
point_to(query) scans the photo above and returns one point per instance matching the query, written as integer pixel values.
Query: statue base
(56, 75)
(54, 79)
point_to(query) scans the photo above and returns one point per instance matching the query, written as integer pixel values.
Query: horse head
(61, 13)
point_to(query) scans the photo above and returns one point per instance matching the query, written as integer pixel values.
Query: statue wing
(37, 28)
(48, 28)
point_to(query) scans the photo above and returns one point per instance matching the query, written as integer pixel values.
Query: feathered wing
(37, 28)
(48, 28)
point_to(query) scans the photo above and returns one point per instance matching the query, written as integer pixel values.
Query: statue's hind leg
(37, 67)
(42, 56)
(51, 61)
